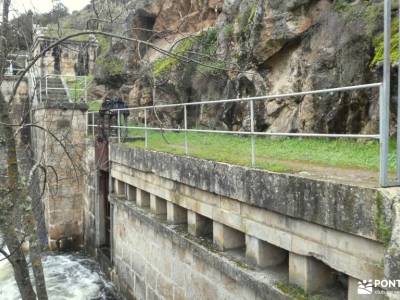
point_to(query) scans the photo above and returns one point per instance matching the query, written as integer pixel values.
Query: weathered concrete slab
(347, 208)
(342, 251)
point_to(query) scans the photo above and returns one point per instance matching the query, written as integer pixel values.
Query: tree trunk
(35, 223)
(19, 264)
(17, 256)
(37, 267)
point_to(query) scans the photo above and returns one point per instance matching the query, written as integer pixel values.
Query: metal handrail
(256, 133)
(52, 88)
(267, 97)
(59, 75)
(384, 105)
(66, 88)
(382, 137)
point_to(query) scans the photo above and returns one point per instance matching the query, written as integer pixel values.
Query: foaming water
(68, 276)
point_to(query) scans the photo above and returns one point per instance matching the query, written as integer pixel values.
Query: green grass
(271, 153)
(76, 86)
(94, 105)
(296, 292)
(52, 32)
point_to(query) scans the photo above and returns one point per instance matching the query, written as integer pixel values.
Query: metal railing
(382, 136)
(384, 110)
(11, 71)
(33, 84)
(66, 87)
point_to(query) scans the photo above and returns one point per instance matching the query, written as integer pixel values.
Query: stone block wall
(265, 251)
(153, 260)
(60, 145)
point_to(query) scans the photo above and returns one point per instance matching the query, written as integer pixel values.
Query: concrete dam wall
(170, 227)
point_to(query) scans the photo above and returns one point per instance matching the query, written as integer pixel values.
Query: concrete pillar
(176, 214)
(226, 238)
(131, 193)
(119, 187)
(263, 254)
(355, 294)
(142, 198)
(309, 273)
(199, 225)
(158, 206)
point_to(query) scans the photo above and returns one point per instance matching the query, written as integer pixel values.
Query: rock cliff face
(239, 48)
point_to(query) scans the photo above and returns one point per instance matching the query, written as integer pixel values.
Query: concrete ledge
(61, 105)
(263, 286)
(351, 209)
(343, 252)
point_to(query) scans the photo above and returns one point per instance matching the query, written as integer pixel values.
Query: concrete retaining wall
(153, 260)
(265, 232)
(347, 208)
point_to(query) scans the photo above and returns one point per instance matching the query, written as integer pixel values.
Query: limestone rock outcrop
(238, 48)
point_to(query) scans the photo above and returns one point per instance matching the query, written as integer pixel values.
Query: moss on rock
(383, 230)
(394, 45)
(166, 64)
(111, 65)
(295, 292)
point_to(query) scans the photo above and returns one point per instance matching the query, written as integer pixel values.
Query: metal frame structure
(384, 113)
(63, 77)
(252, 132)
(10, 70)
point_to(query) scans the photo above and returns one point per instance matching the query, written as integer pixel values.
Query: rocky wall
(253, 48)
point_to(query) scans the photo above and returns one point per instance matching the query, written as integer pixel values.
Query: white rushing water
(68, 276)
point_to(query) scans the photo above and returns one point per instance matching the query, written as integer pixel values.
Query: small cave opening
(141, 24)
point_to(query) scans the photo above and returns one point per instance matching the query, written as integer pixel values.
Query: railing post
(118, 127)
(145, 130)
(85, 89)
(253, 138)
(384, 138)
(40, 89)
(47, 94)
(186, 128)
(93, 123)
(385, 96)
(87, 123)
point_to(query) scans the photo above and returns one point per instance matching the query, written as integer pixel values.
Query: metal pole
(186, 133)
(93, 124)
(85, 89)
(87, 123)
(260, 98)
(385, 95)
(384, 139)
(118, 127)
(145, 130)
(253, 138)
(47, 96)
(40, 88)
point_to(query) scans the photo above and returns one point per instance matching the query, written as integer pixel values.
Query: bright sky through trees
(43, 6)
